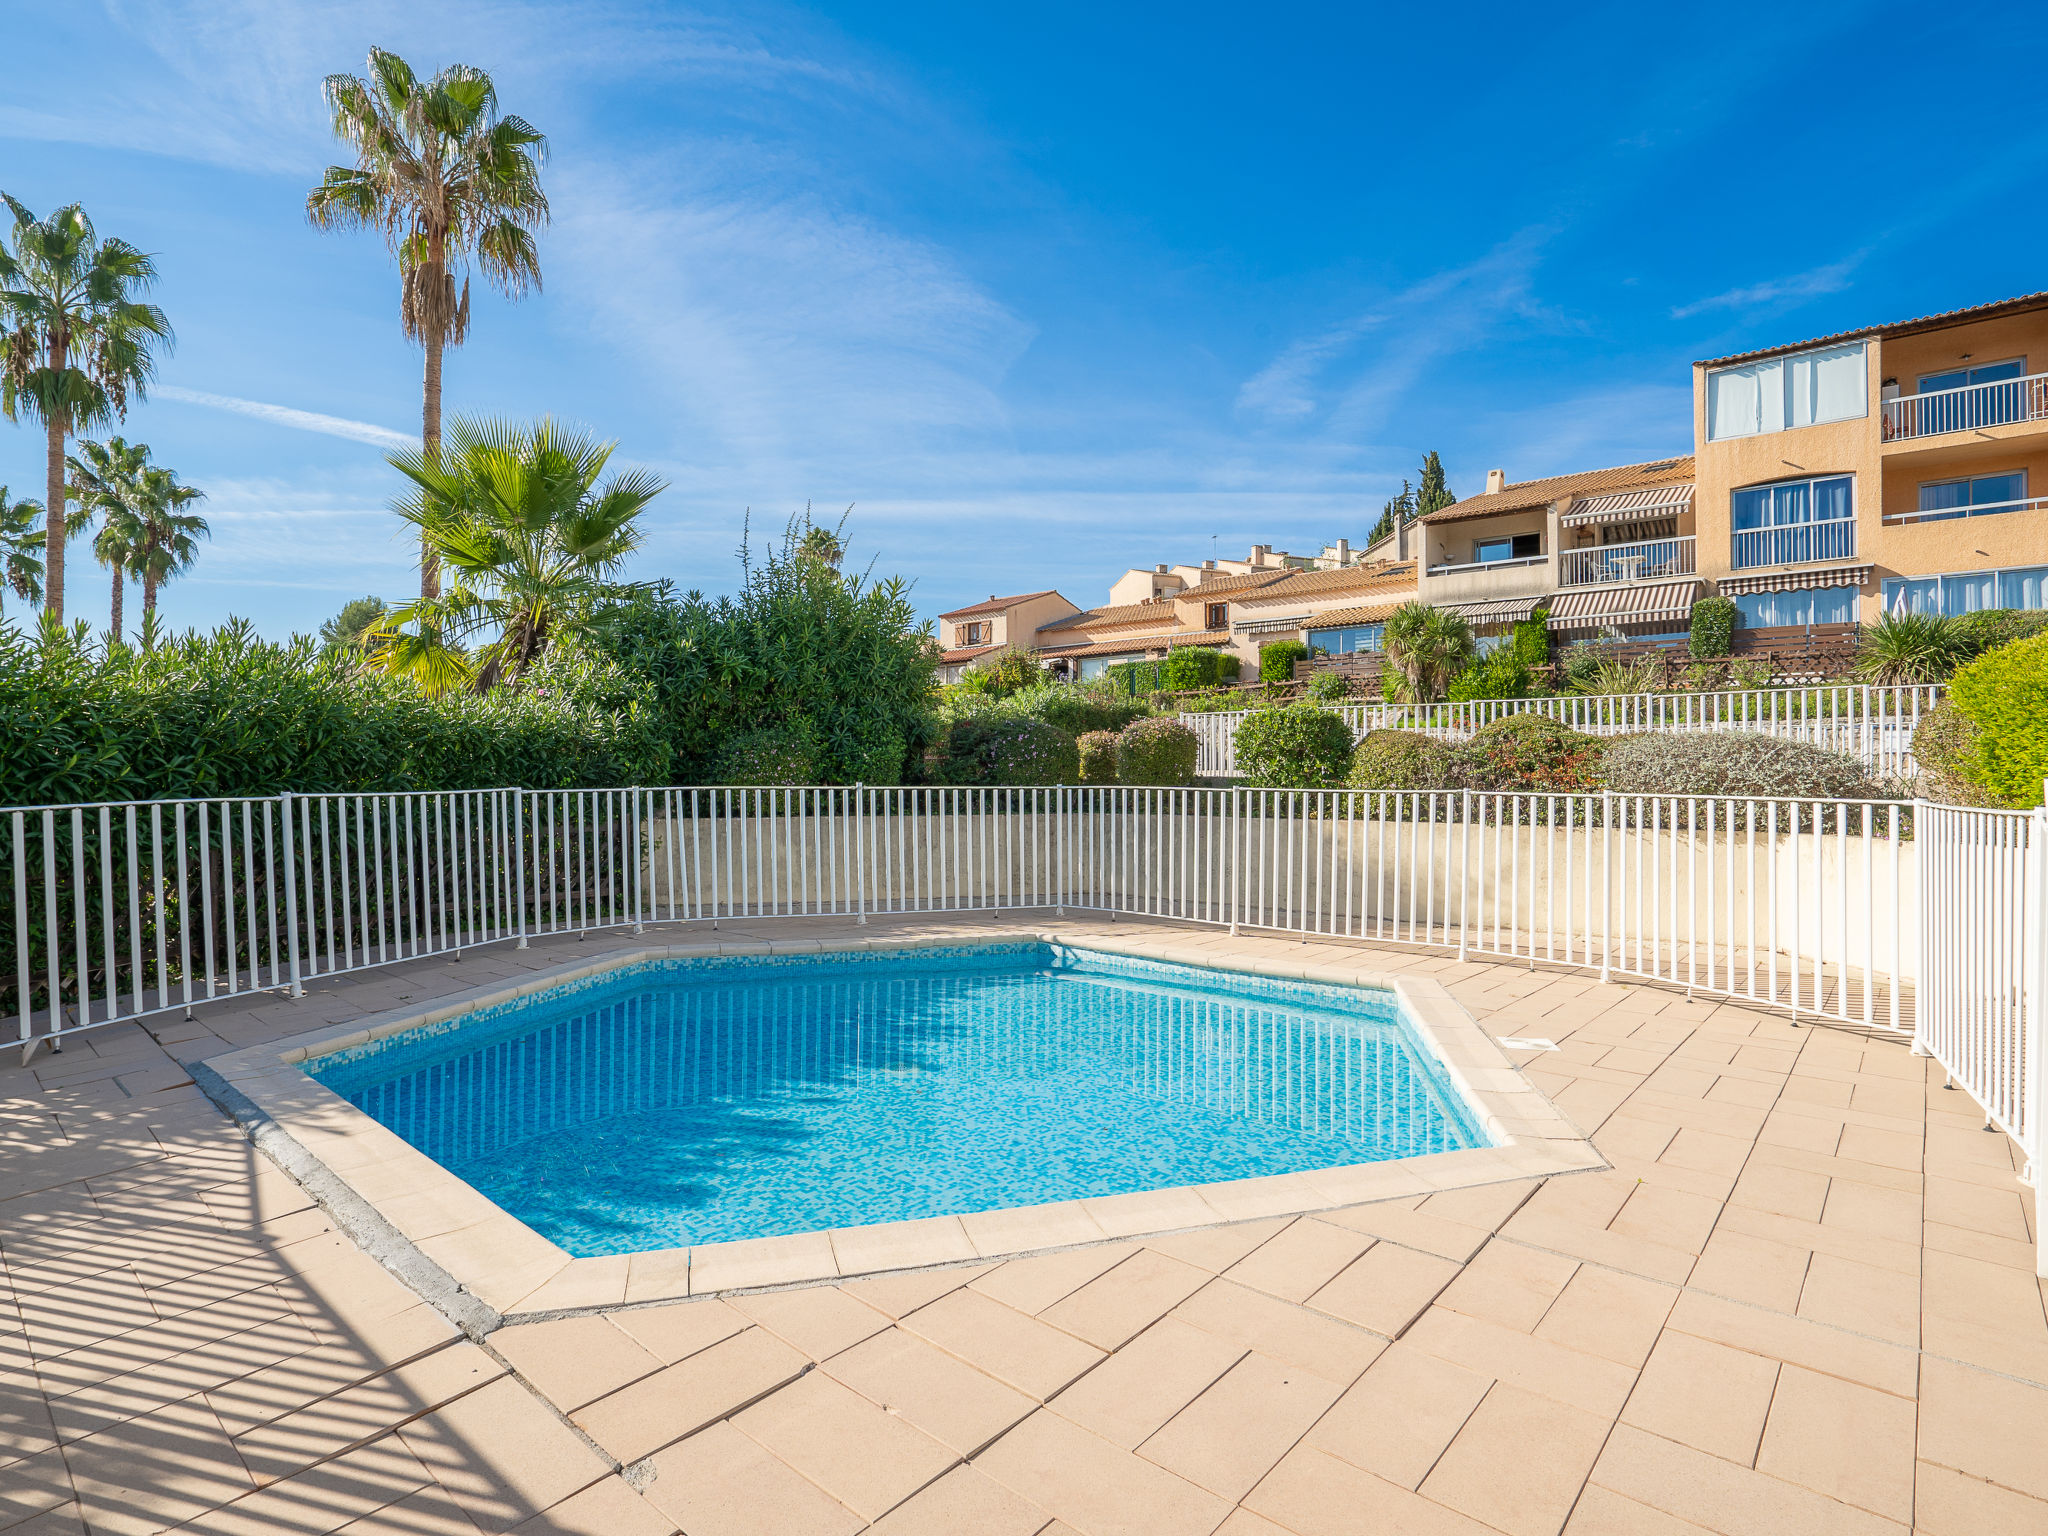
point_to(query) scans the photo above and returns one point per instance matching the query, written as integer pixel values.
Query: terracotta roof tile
(1942, 321)
(1351, 578)
(1124, 613)
(1216, 585)
(1373, 614)
(1136, 644)
(1541, 493)
(966, 653)
(997, 604)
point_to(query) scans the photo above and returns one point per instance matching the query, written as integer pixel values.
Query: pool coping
(486, 1268)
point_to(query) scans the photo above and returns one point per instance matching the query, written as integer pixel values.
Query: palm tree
(532, 538)
(448, 181)
(1427, 647)
(21, 546)
(74, 344)
(1910, 648)
(108, 479)
(168, 541)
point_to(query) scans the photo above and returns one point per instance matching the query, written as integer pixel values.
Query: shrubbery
(1712, 627)
(1328, 687)
(1276, 661)
(1189, 667)
(1732, 763)
(776, 754)
(1297, 747)
(1532, 752)
(1097, 751)
(1156, 751)
(2005, 695)
(1406, 760)
(1008, 749)
(1500, 675)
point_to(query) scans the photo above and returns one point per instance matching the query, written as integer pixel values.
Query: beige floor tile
(963, 1503)
(682, 1398)
(1985, 1426)
(1862, 1299)
(1217, 1248)
(720, 1483)
(145, 1474)
(1786, 1191)
(1603, 1512)
(1726, 1498)
(900, 1295)
(1705, 1395)
(820, 1320)
(1035, 1283)
(1385, 1289)
(865, 1457)
(1127, 1299)
(1239, 1428)
(1585, 1381)
(1130, 1395)
(1489, 1473)
(1095, 1486)
(938, 1393)
(1948, 1503)
(890, 1245)
(331, 1495)
(1509, 1284)
(609, 1508)
(1399, 1222)
(1397, 1418)
(1300, 1259)
(1312, 1493)
(680, 1329)
(574, 1360)
(502, 1455)
(1020, 1351)
(1612, 1315)
(1254, 1320)
(1852, 1443)
(1751, 1269)
(1796, 1341)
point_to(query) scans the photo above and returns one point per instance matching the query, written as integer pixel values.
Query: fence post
(1606, 884)
(1464, 871)
(519, 863)
(2034, 1014)
(860, 850)
(291, 897)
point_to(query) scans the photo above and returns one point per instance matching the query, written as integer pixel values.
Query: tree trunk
(120, 581)
(148, 598)
(430, 435)
(53, 530)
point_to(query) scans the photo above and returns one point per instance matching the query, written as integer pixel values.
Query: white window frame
(1920, 379)
(1783, 362)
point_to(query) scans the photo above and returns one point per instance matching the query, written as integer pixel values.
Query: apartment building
(1140, 585)
(1890, 467)
(967, 634)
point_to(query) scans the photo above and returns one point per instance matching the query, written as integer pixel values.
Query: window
(1794, 521)
(1963, 378)
(1097, 666)
(1216, 616)
(975, 634)
(1959, 592)
(1522, 546)
(1798, 391)
(1777, 610)
(1980, 493)
(1353, 637)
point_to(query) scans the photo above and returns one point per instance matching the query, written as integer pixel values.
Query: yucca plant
(1901, 648)
(1427, 647)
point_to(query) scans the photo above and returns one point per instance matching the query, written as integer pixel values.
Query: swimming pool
(690, 1101)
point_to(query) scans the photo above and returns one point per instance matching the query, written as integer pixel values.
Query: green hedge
(1712, 627)
(1097, 752)
(1297, 747)
(1276, 661)
(1156, 751)
(2005, 695)
(1008, 749)
(1181, 670)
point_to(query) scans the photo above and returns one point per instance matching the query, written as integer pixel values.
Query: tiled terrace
(1802, 1301)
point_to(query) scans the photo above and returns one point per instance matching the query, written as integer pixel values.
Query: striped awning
(1500, 610)
(1628, 506)
(1287, 625)
(1653, 602)
(1795, 581)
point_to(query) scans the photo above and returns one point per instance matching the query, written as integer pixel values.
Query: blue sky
(1042, 291)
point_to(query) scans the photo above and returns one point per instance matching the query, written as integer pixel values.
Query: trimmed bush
(1531, 639)
(1405, 760)
(1297, 747)
(775, 754)
(1990, 628)
(2005, 694)
(1713, 627)
(1008, 749)
(1732, 763)
(1097, 751)
(1276, 661)
(1328, 687)
(1532, 752)
(1945, 746)
(1156, 751)
(1189, 667)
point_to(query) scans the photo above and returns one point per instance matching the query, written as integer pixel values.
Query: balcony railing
(1987, 509)
(2000, 403)
(1488, 565)
(1613, 563)
(1795, 543)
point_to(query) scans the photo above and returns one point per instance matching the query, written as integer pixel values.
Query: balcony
(1795, 543)
(1487, 565)
(1612, 564)
(1985, 509)
(2001, 403)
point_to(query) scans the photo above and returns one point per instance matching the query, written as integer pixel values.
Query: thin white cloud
(286, 416)
(1832, 278)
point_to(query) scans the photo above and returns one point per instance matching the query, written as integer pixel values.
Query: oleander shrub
(1328, 687)
(1276, 661)
(1298, 746)
(1008, 749)
(1189, 667)
(1156, 751)
(1712, 627)
(1532, 752)
(775, 754)
(1407, 760)
(2005, 695)
(1097, 752)
(1741, 763)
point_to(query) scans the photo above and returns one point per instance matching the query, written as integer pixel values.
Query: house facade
(967, 634)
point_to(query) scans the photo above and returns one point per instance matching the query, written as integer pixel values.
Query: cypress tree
(1433, 494)
(1401, 506)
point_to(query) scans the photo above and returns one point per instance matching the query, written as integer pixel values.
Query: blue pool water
(695, 1101)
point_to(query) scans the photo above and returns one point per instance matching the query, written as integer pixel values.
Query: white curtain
(1801, 391)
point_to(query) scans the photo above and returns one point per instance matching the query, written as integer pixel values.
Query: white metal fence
(1872, 724)
(1899, 917)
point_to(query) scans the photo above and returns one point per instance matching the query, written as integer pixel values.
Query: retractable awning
(1796, 581)
(1655, 602)
(1500, 610)
(1628, 506)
